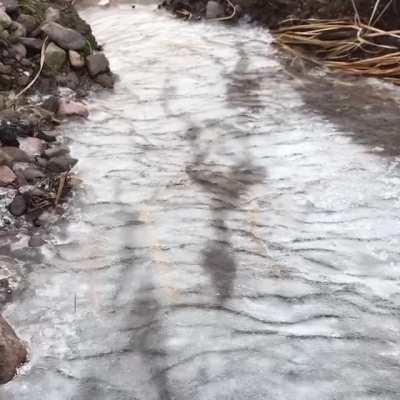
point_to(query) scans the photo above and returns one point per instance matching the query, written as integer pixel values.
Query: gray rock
(32, 43)
(5, 20)
(12, 352)
(52, 15)
(214, 10)
(18, 206)
(97, 64)
(61, 163)
(28, 21)
(66, 38)
(75, 59)
(56, 151)
(55, 58)
(106, 80)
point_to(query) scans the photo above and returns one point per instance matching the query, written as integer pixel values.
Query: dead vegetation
(353, 46)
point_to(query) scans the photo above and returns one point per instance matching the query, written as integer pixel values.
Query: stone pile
(72, 57)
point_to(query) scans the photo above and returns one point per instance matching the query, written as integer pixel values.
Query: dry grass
(350, 46)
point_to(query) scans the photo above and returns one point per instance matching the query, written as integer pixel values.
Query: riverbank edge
(49, 62)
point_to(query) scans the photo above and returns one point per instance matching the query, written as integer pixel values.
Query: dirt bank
(271, 13)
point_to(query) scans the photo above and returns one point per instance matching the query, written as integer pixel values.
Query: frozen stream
(237, 236)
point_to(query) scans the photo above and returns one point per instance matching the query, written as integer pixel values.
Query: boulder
(75, 59)
(5, 20)
(214, 10)
(7, 176)
(97, 64)
(66, 38)
(55, 58)
(51, 103)
(68, 108)
(61, 163)
(12, 352)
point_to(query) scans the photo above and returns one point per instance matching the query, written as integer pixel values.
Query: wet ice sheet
(231, 242)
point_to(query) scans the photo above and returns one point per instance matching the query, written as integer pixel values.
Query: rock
(32, 43)
(41, 162)
(15, 154)
(55, 58)
(6, 82)
(75, 59)
(66, 38)
(7, 176)
(18, 51)
(32, 146)
(12, 127)
(51, 103)
(11, 7)
(61, 163)
(36, 241)
(47, 137)
(5, 20)
(28, 22)
(106, 80)
(17, 30)
(56, 151)
(12, 352)
(52, 15)
(5, 69)
(32, 174)
(69, 80)
(18, 206)
(97, 64)
(5, 159)
(214, 10)
(8, 135)
(72, 108)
